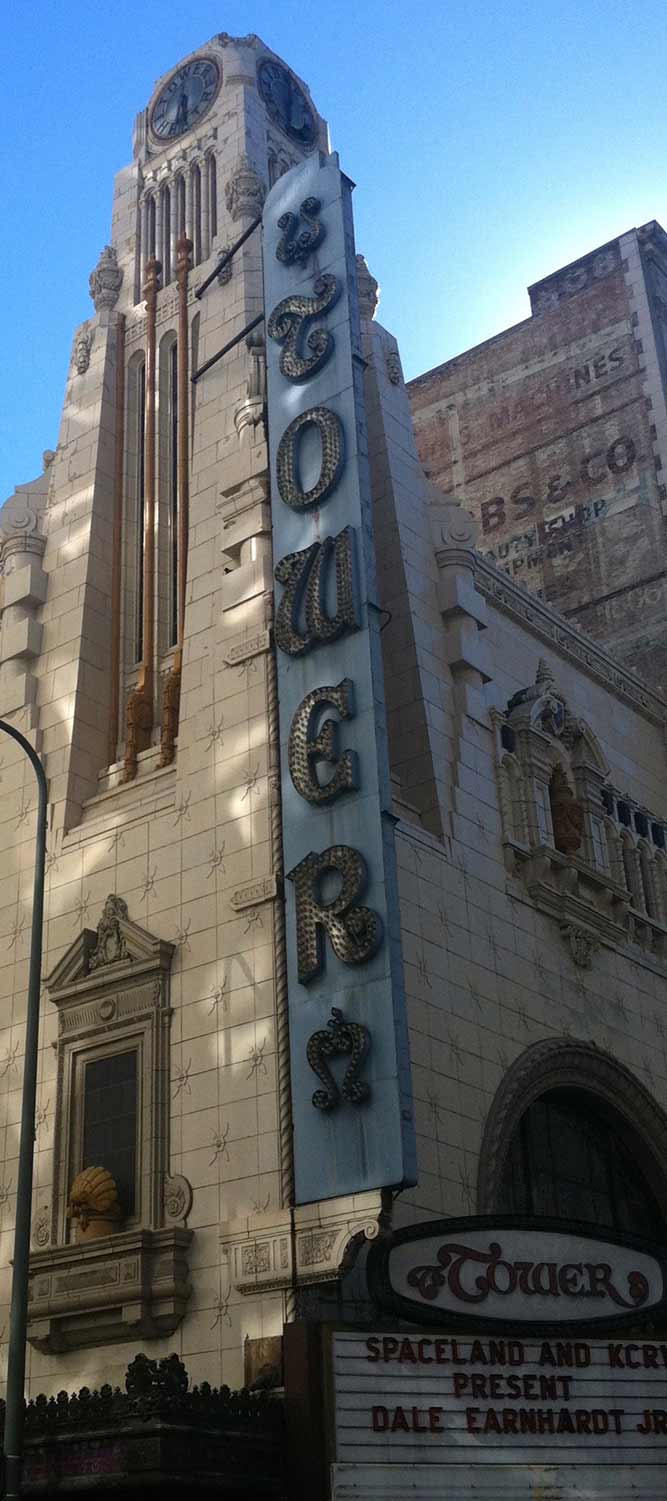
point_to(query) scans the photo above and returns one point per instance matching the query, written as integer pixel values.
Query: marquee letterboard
(351, 1096)
(405, 1398)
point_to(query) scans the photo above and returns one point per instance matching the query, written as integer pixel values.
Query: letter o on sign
(287, 460)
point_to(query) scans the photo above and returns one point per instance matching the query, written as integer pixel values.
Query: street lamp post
(18, 1320)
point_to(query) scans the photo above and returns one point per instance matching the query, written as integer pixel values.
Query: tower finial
(544, 676)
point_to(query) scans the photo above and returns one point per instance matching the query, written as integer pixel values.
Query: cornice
(551, 627)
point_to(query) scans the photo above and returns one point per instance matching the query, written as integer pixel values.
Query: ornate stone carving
(138, 726)
(393, 366)
(171, 701)
(256, 1258)
(254, 893)
(106, 280)
(582, 945)
(287, 323)
(226, 272)
(132, 1284)
(453, 527)
(339, 1038)
(265, 1254)
(246, 647)
(245, 191)
(560, 1063)
(550, 708)
(82, 347)
(316, 1248)
(250, 413)
(111, 947)
(48, 457)
(20, 520)
(226, 39)
(177, 1199)
(41, 1227)
(368, 290)
(567, 814)
(552, 628)
(94, 1204)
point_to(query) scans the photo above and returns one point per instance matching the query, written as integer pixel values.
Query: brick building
(356, 908)
(555, 431)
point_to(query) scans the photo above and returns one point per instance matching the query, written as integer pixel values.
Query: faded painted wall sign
(354, 1129)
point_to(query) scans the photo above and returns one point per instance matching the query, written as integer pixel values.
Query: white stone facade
(491, 964)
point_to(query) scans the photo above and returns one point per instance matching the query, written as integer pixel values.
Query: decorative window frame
(587, 889)
(560, 1063)
(111, 989)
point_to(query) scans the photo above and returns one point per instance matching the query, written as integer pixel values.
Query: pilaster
(418, 693)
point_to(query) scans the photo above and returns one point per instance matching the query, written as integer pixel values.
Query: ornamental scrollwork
(582, 945)
(177, 1198)
(338, 1039)
(294, 248)
(105, 280)
(393, 366)
(245, 190)
(111, 946)
(286, 326)
(41, 1231)
(82, 347)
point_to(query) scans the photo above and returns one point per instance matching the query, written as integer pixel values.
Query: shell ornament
(93, 1196)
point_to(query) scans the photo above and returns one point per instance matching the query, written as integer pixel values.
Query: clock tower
(146, 444)
(138, 652)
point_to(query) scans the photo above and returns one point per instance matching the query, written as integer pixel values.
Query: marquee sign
(512, 1417)
(351, 1097)
(514, 1273)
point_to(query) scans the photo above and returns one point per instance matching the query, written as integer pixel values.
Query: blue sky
(490, 143)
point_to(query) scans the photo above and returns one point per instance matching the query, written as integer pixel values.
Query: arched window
(134, 511)
(167, 604)
(150, 247)
(172, 404)
(180, 204)
(195, 183)
(632, 871)
(648, 879)
(572, 1134)
(165, 211)
(572, 1160)
(212, 197)
(138, 259)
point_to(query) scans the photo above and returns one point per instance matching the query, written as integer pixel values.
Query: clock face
(286, 103)
(185, 98)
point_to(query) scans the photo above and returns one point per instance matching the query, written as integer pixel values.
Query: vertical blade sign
(351, 1097)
